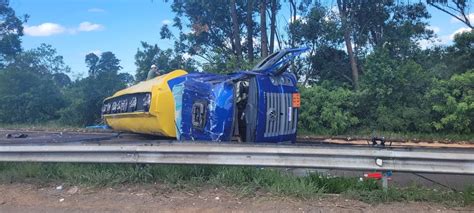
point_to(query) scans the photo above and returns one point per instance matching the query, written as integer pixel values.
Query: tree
(273, 13)
(166, 60)
(392, 94)
(85, 96)
(211, 26)
(43, 60)
(30, 86)
(28, 97)
(446, 61)
(385, 24)
(236, 31)
(406, 26)
(91, 61)
(293, 16)
(263, 28)
(249, 24)
(107, 63)
(458, 9)
(368, 25)
(11, 29)
(319, 30)
(344, 10)
(61, 79)
(331, 65)
(460, 56)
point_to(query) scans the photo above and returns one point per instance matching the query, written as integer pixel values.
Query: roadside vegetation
(244, 181)
(366, 70)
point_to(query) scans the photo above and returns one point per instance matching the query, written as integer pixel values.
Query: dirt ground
(156, 198)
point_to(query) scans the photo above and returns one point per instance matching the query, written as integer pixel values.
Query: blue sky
(78, 27)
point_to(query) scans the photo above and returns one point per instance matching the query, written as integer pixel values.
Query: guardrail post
(385, 177)
(384, 182)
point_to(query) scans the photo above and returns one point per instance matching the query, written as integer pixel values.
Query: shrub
(327, 111)
(28, 97)
(392, 94)
(453, 103)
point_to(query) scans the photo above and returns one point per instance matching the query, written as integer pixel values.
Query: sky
(78, 27)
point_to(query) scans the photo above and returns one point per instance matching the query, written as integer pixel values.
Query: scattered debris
(73, 190)
(16, 135)
(379, 142)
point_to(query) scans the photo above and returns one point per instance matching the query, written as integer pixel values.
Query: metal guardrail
(351, 158)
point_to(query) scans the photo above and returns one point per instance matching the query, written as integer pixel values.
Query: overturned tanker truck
(260, 105)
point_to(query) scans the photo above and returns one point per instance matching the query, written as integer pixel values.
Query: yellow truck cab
(147, 107)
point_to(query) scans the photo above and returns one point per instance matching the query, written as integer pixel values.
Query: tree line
(365, 68)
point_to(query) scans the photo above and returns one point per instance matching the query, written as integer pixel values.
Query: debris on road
(16, 135)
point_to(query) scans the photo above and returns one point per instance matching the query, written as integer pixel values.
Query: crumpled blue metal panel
(206, 107)
(206, 98)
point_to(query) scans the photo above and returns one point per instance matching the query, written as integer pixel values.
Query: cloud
(470, 17)
(87, 27)
(442, 40)
(460, 30)
(95, 10)
(44, 29)
(166, 21)
(435, 29)
(50, 29)
(96, 52)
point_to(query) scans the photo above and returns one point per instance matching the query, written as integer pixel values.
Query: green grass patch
(244, 180)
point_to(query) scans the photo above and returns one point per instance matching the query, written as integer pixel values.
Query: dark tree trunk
(236, 32)
(249, 25)
(293, 18)
(263, 28)
(273, 24)
(342, 5)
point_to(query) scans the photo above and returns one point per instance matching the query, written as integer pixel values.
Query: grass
(272, 180)
(244, 180)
